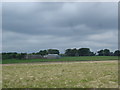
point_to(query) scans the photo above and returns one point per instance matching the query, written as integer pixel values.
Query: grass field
(81, 58)
(99, 74)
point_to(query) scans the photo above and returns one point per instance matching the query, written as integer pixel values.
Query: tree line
(15, 55)
(68, 52)
(87, 52)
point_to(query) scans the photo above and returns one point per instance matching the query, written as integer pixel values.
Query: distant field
(81, 58)
(99, 74)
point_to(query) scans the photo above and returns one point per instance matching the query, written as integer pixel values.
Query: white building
(52, 56)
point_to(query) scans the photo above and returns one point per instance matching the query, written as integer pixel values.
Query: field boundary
(63, 59)
(63, 62)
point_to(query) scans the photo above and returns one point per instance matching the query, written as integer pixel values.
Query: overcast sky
(30, 27)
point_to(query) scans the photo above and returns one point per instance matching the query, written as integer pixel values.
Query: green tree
(106, 52)
(68, 52)
(92, 54)
(21, 55)
(53, 51)
(9, 55)
(111, 54)
(84, 52)
(100, 53)
(43, 52)
(75, 52)
(117, 53)
(71, 52)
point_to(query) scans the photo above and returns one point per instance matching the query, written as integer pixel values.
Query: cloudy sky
(30, 27)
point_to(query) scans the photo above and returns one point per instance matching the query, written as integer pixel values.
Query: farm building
(52, 56)
(33, 57)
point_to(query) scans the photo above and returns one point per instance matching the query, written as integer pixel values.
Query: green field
(100, 74)
(81, 58)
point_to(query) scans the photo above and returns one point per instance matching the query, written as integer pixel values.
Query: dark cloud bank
(30, 27)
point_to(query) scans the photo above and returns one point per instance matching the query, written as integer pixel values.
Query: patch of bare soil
(61, 62)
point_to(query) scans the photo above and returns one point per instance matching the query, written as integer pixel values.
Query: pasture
(80, 58)
(89, 74)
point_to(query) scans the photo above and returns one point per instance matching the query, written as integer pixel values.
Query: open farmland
(81, 58)
(89, 74)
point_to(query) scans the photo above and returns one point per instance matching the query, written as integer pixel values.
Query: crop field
(89, 74)
(81, 58)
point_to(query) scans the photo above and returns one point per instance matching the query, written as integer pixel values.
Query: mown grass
(81, 58)
(64, 75)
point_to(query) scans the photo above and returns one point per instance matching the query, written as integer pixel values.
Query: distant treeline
(68, 52)
(87, 52)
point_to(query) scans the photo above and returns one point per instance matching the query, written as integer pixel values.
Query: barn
(33, 57)
(52, 56)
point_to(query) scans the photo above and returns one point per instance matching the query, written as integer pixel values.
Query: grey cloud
(58, 25)
(67, 15)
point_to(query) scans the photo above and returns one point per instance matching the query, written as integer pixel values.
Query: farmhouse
(52, 56)
(33, 57)
(49, 56)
